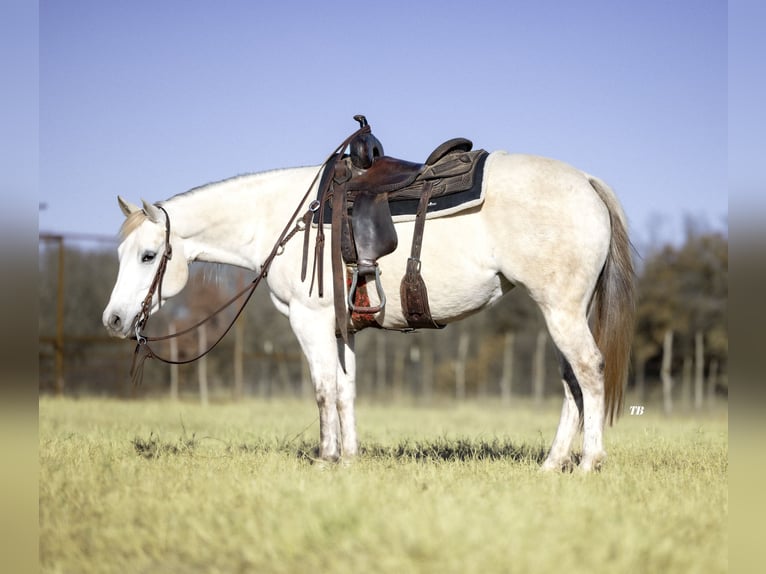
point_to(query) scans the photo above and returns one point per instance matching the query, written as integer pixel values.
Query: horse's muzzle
(116, 324)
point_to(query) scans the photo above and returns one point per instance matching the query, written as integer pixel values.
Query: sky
(147, 99)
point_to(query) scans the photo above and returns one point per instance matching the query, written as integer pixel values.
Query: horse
(558, 232)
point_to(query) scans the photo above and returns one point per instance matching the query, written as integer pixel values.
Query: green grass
(152, 486)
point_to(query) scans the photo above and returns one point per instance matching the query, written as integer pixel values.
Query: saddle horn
(365, 147)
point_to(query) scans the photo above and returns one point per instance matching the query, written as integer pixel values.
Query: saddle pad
(443, 201)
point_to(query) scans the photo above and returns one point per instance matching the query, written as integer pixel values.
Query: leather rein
(143, 349)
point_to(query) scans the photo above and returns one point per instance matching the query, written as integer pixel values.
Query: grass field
(152, 486)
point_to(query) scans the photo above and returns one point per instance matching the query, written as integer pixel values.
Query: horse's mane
(138, 217)
(231, 179)
(131, 222)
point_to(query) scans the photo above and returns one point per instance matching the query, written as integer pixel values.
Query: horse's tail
(614, 305)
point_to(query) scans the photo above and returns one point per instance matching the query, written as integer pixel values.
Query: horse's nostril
(115, 321)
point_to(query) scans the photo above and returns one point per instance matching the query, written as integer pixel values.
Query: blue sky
(148, 99)
(747, 116)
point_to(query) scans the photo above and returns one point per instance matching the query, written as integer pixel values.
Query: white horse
(557, 231)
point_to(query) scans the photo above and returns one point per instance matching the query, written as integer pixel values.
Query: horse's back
(537, 183)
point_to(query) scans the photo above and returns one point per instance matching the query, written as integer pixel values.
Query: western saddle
(355, 196)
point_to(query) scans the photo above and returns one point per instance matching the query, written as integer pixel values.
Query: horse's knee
(325, 393)
(322, 398)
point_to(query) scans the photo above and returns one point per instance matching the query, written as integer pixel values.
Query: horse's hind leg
(572, 336)
(571, 416)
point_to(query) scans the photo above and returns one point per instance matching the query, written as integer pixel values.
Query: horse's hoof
(323, 462)
(592, 463)
(550, 465)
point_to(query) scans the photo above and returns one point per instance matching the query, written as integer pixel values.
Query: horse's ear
(153, 212)
(127, 207)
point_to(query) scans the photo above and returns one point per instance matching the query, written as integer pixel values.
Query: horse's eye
(148, 256)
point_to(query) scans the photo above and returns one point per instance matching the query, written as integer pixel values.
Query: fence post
(699, 370)
(380, 364)
(202, 364)
(173, 367)
(712, 379)
(427, 367)
(59, 382)
(667, 380)
(239, 346)
(506, 380)
(460, 364)
(686, 382)
(397, 375)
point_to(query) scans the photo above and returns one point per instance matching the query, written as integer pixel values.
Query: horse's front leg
(346, 377)
(315, 330)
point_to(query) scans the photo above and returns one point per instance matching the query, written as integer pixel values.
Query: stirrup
(352, 292)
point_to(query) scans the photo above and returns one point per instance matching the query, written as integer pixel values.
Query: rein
(144, 351)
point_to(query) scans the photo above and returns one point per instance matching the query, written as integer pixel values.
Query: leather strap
(420, 223)
(413, 292)
(338, 275)
(306, 239)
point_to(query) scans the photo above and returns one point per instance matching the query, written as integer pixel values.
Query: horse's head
(141, 254)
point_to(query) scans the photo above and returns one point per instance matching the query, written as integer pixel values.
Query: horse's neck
(236, 221)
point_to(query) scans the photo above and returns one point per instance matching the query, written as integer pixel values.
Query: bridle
(156, 284)
(144, 350)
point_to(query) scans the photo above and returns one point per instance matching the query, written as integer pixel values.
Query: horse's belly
(448, 302)
(457, 267)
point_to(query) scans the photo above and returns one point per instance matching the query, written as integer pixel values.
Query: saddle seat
(387, 174)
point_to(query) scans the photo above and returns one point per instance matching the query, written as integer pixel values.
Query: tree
(684, 290)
